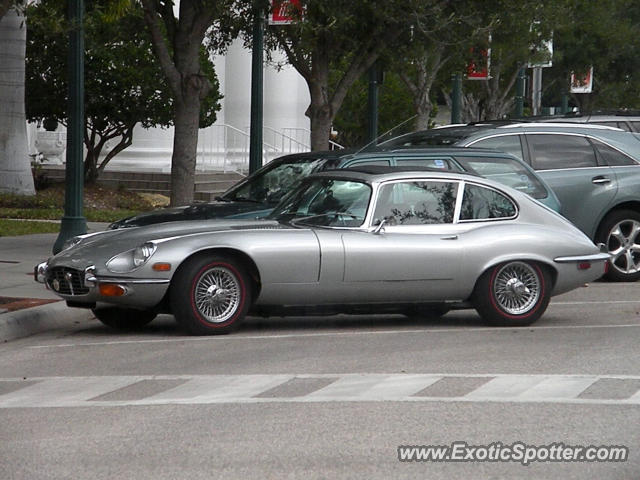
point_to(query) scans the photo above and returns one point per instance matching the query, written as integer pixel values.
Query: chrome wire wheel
(217, 294)
(517, 288)
(623, 243)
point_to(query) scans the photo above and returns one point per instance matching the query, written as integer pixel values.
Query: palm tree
(15, 168)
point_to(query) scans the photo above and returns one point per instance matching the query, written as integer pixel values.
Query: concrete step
(207, 185)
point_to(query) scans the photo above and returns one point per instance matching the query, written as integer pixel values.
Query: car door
(568, 163)
(414, 256)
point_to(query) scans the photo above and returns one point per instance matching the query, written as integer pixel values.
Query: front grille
(66, 281)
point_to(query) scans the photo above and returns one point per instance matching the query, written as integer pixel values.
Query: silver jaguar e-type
(369, 240)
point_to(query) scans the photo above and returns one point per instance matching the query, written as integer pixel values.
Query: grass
(91, 214)
(12, 228)
(101, 204)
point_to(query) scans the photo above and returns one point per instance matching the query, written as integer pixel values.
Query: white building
(225, 145)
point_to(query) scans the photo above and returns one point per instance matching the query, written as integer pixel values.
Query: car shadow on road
(166, 326)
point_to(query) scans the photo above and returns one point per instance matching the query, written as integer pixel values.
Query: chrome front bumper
(138, 292)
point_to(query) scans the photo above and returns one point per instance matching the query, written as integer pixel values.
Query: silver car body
(295, 264)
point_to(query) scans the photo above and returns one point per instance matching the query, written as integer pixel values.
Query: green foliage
(13, 228)
(395, 106)
(604, 35)
(124, 83)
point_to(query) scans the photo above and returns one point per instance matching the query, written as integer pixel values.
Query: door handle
(449, 237)
(599, 180)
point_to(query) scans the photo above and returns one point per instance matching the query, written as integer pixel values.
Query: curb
(43, 318)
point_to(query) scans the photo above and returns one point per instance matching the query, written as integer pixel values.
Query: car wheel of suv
(210, 295)
(512, 294)
(126, 319)
(620, 232)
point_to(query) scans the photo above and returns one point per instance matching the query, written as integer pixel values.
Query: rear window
(480, 203)
(436, 136)
(441, 163)
(506, 171)
(612, 156)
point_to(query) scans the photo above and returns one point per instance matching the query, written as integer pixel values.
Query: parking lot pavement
(27, 307)
(326, 397)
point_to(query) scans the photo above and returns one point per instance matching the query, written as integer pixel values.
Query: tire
(124, 319)
(514, 293)
(197, 302)
(620, 232)
(433, 311)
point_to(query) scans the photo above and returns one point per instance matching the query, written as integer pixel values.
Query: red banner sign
(284, 12)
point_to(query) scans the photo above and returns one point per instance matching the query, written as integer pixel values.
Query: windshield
(270, 184)
(326, 202)
(506, 171)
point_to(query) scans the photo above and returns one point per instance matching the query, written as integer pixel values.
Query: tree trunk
(15, 166)
(185, 146)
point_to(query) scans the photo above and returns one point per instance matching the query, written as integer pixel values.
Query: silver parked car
(370, 239)
(594, 170)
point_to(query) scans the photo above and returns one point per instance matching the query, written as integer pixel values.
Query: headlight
(131, 259)
(142, 253)
(72, 242)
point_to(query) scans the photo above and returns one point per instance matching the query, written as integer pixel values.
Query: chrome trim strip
(596, 257)
(134, 281)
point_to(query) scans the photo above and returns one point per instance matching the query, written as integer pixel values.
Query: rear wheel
(126, 319)
(513, 293)
(210, 295)
(620, 232)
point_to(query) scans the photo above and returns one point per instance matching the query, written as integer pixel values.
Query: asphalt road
(328, 397)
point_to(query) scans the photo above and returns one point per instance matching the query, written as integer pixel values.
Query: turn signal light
(111, 290)
(161, 267)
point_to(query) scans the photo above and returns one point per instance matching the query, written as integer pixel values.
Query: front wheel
(210, 295)
(620, 232)
(126, 319)
(514, 293)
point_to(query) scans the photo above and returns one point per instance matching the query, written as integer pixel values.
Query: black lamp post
(73, 222)
(255, 139)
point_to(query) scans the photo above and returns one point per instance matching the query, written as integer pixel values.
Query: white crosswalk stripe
(209, 389)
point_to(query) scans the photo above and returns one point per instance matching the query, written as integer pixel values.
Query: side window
(549, 152)
(442, 163)
(479, 203)
(635, 126)
(504, 143)
(612, 156)
(416, 203)
(384, 163)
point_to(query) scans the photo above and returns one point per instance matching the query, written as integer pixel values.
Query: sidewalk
(36, 308)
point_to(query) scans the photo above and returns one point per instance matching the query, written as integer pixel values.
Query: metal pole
(73, 222)
(536, 95)
(456, 99)
(372, 104)
(255, 139)
(564, 109)
(519, 110)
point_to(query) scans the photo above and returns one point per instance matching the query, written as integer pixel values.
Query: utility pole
(73, 222)
(456, 99)
(536, 95)
(372, 104)
(257, 108)
(519, 110)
